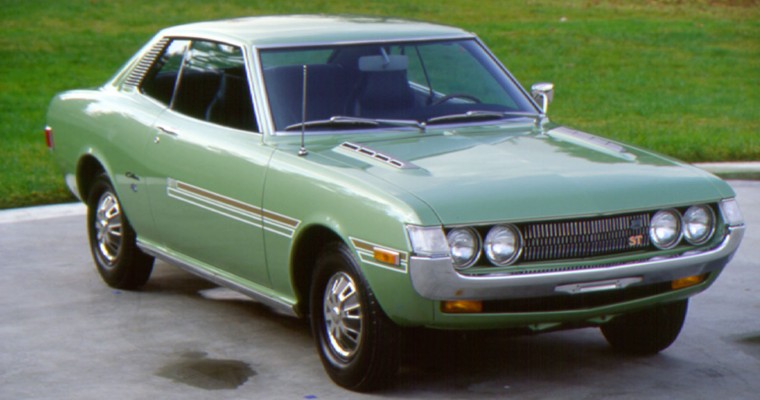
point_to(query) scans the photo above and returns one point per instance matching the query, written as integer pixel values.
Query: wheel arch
(88, 168)
(307, 247)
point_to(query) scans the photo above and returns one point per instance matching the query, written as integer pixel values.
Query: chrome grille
(585, 238)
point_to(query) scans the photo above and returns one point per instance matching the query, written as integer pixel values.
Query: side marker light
(386, 256)
(49, 137)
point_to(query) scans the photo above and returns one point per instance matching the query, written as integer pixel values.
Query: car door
(208, 165)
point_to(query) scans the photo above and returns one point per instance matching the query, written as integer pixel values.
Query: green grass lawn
(679, 77)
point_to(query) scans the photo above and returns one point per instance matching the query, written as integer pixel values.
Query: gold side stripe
(216, 197)
(221, 209)
(279, 223)
(293, 223)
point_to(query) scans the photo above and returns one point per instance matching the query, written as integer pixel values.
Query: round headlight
(502, 245)
(464, 246)
(665, 229)
(698, 224)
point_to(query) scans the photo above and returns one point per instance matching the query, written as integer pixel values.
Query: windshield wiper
(336, 121)
(412, 123)
(341, 121)
(480, 115)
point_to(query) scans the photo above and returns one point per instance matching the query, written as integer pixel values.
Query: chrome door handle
(167, 130)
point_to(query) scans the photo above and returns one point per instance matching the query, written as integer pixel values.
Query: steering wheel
(456, 96)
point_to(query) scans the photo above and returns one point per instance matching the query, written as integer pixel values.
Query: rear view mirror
(383, 63)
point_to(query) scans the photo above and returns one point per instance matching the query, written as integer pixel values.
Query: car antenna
(303, 151)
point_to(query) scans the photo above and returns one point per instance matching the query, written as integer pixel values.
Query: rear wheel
(646, 332)
(357, 342)
(119, 261)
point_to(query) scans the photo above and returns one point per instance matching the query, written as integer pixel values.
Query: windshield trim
(423, 128)
(410, 39)
(421, 124)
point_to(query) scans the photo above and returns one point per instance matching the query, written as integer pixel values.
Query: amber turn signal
(462, 306)
(688, 281)
(386, 256)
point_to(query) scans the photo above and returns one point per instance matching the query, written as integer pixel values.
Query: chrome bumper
(436, 279)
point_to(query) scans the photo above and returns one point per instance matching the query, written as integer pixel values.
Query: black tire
(358, 344)
(119, 261)
(646, 332)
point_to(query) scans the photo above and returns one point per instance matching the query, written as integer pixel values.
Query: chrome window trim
(361, 42)
(259, 97)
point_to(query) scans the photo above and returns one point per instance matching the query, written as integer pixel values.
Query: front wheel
(357, 342)
(646, 332)
(119, 261)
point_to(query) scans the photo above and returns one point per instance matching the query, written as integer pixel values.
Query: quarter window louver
(138, 73)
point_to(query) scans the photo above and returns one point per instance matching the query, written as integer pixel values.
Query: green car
(375, 175)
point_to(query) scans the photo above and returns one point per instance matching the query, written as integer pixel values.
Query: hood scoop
(366, 152)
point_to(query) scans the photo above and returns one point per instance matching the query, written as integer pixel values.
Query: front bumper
(436, 279)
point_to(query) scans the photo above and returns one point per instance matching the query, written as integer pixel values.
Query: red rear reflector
(49, 137)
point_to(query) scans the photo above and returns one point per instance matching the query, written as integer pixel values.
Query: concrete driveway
(65, 335)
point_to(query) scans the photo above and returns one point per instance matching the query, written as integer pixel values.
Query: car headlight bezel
(495, 238)
(465, 247)
(700, 218)
(661, 223)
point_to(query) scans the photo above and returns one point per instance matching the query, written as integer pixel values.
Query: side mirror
(543, 93)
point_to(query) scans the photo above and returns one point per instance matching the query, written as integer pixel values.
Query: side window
(204, 80)
(159, 82)
(213, 86)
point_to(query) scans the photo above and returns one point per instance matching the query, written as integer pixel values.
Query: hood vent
(377, 156)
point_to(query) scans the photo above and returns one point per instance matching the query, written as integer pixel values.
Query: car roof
(294, 30)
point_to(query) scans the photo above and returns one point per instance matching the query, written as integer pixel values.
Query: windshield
(378, 85)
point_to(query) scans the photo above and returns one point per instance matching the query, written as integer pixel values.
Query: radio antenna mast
(303, 151)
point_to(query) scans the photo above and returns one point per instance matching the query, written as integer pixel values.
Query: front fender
(339, 203)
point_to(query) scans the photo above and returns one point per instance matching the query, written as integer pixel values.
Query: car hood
(509, 174)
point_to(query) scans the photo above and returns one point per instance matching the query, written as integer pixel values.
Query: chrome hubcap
(108, 227)
(343, 316)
